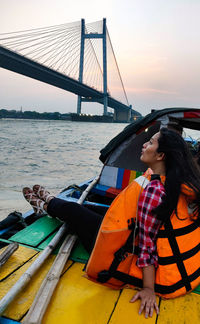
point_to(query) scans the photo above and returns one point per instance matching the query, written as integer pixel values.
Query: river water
(52, 153)
(55, 154)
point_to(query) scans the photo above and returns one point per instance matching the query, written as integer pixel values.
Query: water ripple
(54, 153)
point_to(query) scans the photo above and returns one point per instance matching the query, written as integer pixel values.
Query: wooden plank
(79, 254)
(9, 250)
(126, 312)
(34, 234)
(44, 294)
(50, 284)
(78, 300)
(31, 271)
(184, 309)
(44, 244)
(22, 255)
(23, 301)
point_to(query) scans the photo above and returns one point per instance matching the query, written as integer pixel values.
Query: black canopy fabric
(142, 123)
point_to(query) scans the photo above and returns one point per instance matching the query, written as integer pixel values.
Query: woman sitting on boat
(161, 258)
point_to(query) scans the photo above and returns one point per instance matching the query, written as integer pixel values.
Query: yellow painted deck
(77, 300)
(21, 255)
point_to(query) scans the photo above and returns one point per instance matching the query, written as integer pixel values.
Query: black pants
(83, 221)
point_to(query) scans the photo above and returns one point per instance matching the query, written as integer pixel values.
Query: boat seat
(113, 180)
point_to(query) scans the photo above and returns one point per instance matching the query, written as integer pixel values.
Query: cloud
(150, 90)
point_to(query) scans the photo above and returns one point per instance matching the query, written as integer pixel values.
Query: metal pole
(81, 62)
(105, 68)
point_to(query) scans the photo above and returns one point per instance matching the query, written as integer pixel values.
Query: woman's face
(149, 150)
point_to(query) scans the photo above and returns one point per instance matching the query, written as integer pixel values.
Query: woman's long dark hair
(180, 168)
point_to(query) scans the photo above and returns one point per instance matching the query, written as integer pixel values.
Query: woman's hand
(148, 301)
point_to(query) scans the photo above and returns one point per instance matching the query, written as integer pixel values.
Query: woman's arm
(147, 294)
(149, 225)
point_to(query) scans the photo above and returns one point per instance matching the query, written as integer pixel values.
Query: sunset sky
(156, 43)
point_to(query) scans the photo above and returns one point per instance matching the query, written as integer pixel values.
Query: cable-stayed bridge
(76, 57)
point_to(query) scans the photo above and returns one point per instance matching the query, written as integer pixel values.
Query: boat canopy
(124, 150)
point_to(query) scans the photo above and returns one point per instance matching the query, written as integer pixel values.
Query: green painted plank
(20, 244)
(4, 240)
(79, 254)
(44, 244)
(197, 290)
(34, 234)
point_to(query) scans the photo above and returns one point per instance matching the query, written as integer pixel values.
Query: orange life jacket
(113, 261)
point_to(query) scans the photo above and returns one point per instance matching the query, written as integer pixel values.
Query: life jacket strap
(180, 231)
(119, 256)
(177, 254)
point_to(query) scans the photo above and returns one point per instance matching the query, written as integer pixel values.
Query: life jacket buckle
(103, 276)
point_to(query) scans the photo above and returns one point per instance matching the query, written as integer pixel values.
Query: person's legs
(97, 209)
(84, 222)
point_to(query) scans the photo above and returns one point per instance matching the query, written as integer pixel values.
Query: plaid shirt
(149, 225)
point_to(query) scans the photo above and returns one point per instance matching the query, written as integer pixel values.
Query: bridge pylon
(81, 64)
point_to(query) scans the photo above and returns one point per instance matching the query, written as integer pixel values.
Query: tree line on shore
(4, 113)
(19, 114)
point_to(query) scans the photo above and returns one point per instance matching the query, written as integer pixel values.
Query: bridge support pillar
(105, 105)
(105, 111)
(79, 105)
(81, 62)
(122, 116)
(102, 36)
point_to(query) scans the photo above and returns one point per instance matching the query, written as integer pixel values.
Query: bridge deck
(17, 63)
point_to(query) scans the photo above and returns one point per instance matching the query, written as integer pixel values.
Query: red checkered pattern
(149, 225)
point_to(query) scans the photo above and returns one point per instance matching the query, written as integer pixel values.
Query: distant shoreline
(4, 113)
(56, 116)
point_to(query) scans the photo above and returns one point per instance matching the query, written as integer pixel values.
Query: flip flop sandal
(34, 201)
(42, 193)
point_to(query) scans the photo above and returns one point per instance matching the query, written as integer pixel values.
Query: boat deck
(76, 299)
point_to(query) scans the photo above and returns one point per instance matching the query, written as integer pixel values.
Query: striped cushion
(113, 180)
